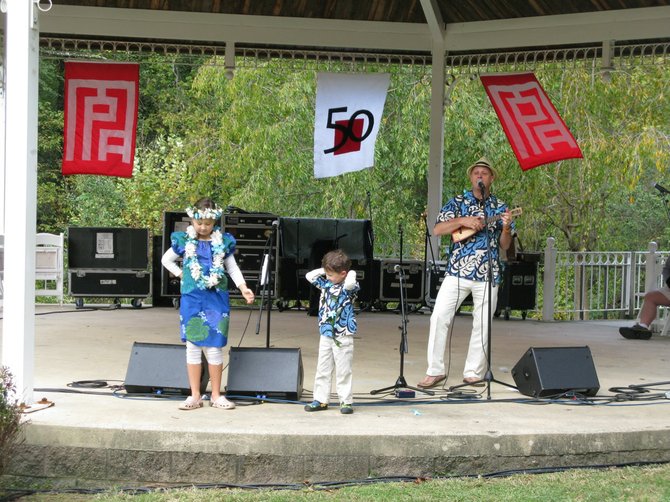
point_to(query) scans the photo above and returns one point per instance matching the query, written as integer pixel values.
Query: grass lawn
(648, 483)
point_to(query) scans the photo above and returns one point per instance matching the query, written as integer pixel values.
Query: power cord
(15, 494)
(632, 395)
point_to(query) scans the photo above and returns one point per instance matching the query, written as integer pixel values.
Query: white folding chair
(49, 265)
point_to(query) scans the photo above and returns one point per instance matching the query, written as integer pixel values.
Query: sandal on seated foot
(191, 404)
(222, 403)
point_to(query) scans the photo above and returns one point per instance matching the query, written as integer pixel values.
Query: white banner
(349, 110)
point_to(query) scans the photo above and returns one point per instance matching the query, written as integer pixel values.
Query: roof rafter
(333, 34)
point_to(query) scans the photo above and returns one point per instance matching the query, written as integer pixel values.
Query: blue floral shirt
(468, 259)
(336, 308)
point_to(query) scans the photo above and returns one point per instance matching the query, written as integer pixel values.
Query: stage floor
(94, 437)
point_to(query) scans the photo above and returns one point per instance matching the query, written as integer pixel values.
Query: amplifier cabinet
(253, 233)
(249, 230)
(110, 283)
(434, 276)
(435, 272)
(519, 286)
(367, 275)
(157, 268)
(292, 285)
(249, 220)
(390, 280)
(518, 290)
(291, 282)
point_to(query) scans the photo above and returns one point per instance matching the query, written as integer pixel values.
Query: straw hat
(483, 162)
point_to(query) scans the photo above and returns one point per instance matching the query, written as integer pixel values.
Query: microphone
(661, 189)
(481, 185)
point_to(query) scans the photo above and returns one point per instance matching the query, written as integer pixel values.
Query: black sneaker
(316, 406)
(346, 409)
(637, 332)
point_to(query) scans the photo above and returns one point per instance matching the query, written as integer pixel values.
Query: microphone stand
(428, 245)
(401, 383)
(431, 271)
(266, 290)
(488, 376)
(298, 305)
(372, 232)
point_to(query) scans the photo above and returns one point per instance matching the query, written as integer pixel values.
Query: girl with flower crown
(204, 310)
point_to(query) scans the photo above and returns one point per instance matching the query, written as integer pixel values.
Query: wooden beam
(540, 31)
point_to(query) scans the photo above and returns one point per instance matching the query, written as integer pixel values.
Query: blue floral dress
(204, 313)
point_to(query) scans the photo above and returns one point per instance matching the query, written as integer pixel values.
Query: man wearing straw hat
(467, 218)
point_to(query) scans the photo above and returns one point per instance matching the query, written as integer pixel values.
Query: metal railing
(598, 285)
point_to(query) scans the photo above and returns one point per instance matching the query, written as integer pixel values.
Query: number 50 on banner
(348, 112)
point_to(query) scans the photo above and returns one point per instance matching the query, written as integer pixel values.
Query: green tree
(248, 142)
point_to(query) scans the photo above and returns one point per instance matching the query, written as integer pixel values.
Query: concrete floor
(99, 437)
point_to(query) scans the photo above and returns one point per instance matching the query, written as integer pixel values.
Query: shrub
(10, 419)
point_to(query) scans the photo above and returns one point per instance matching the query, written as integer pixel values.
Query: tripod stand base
(488, 379)
(401, 383)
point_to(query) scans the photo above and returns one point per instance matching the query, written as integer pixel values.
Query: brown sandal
(473, 381)
(430, 381)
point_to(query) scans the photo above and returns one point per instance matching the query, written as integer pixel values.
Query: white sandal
(222, 403)
(191, 404)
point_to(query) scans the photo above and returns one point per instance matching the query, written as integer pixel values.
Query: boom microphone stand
(401, 383)
(488, 376)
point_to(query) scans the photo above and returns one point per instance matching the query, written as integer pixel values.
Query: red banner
(533, 127)
(100, 118)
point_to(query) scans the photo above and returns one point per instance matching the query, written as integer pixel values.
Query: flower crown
(204, 214)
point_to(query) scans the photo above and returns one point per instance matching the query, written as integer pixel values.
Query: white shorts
(214, 355)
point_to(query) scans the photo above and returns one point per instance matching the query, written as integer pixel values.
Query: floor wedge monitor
(552, 371)
(270, 372)
(160, 368)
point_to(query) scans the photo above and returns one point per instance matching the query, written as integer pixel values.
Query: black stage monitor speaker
(270, 372)
(551, 371)
(160, 368)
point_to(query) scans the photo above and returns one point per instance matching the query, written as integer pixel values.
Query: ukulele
(463, 233)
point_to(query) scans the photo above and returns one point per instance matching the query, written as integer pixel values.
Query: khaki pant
(340, 359)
